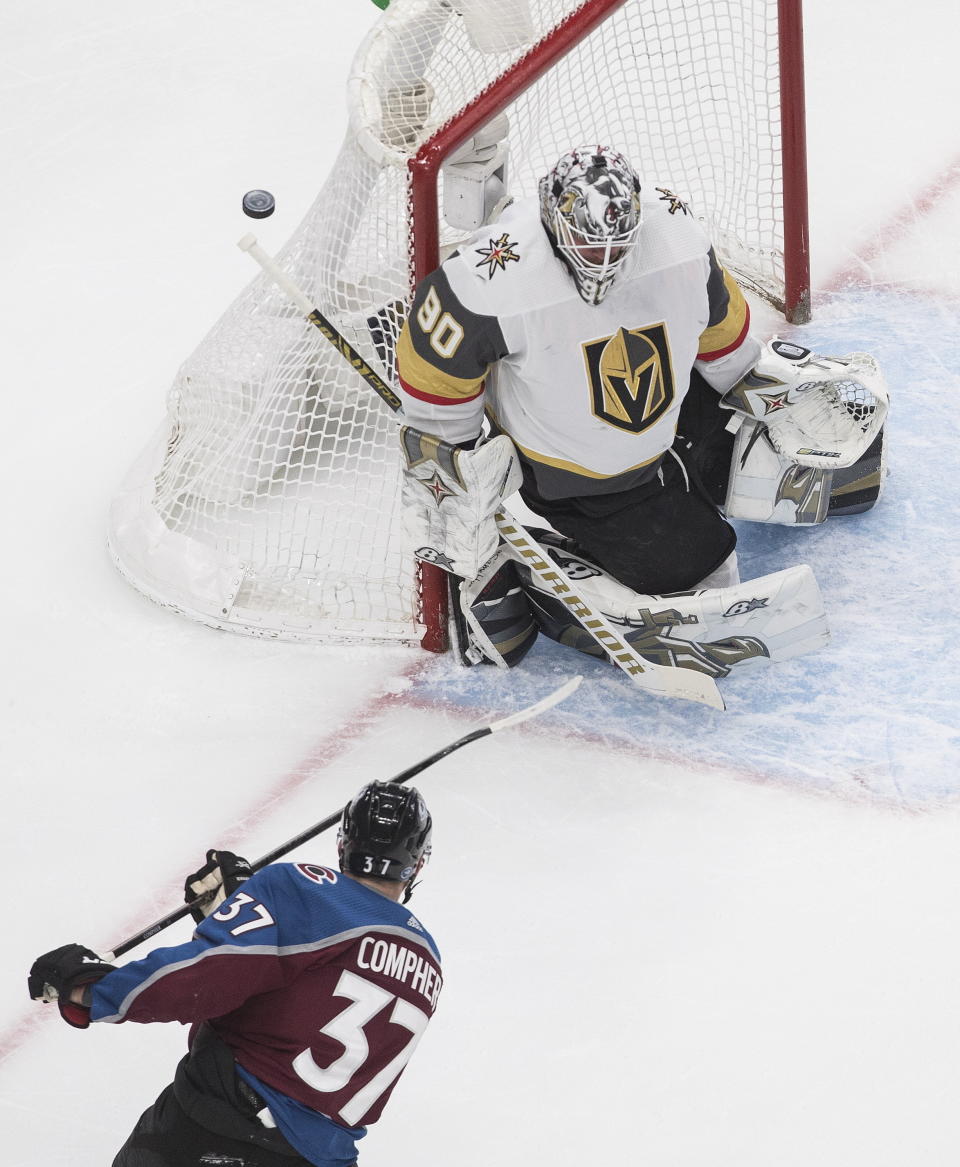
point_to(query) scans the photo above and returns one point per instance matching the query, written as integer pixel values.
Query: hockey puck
(259, 204)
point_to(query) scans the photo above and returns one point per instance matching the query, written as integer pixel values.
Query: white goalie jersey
(589, 394)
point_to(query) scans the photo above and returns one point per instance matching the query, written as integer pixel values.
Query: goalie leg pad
(772, 618)
(500, 626)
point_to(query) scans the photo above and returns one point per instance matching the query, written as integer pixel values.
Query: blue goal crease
(877, 712)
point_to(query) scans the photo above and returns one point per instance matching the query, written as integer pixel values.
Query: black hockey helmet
(384, 832)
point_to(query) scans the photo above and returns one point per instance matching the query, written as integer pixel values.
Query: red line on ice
(897, 226)
(324, 753)
(336, 743)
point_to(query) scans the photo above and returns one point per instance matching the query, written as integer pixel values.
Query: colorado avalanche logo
(317, 874)
(497, 255)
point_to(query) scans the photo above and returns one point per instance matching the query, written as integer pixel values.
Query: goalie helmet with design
(385, 832)
(590, 207)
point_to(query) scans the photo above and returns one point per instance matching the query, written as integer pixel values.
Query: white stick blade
(541, 706)
(686, 684)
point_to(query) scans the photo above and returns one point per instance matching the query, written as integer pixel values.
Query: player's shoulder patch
(675, 205)
(671, 233)
(316, 873)
(502, 252)
(497, 254)
(506, 267)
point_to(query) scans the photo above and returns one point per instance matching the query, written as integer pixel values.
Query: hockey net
(268, 503)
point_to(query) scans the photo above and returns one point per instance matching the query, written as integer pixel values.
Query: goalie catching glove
(450, 497)
(215, 882)
(819, 411)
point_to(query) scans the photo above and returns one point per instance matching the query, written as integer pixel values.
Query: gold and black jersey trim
(445, 350)
(421, 379)
(582, 471)
(564, 464)
(729, 314)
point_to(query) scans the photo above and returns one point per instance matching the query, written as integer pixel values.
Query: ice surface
(671, 936)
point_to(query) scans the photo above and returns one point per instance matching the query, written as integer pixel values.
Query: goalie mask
(384, 832)
(590, 207)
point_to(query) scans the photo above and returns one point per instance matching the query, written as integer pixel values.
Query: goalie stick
(249, 244)
(661, 680)
(445, 599)
(334, 817)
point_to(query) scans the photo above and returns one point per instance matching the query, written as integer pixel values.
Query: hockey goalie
(589, 350)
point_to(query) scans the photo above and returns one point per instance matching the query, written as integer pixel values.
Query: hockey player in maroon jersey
(625, 397)
(306, 989)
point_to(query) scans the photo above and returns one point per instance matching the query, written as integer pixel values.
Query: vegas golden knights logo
(631, 377)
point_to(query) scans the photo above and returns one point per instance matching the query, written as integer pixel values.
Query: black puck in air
(259, 204)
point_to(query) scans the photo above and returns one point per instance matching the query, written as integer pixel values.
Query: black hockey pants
(666, 534)
(206, 1118)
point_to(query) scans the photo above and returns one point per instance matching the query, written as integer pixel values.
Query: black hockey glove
(216, 881)
(56, 974)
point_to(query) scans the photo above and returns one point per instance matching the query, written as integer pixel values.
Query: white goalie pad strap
(481, 647)
(819, 411)
(771, 618)
(450, 497)
(766, 487)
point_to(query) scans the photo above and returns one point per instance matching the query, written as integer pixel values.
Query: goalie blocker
(450, 497)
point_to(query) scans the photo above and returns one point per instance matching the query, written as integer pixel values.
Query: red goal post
(268, 504)
(787, 108)
(791, 295)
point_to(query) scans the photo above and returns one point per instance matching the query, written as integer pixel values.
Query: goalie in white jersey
(596, 330)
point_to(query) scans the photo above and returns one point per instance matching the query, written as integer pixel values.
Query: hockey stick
(661, 680)
(249, 244)
(269, 265)
(333, 819)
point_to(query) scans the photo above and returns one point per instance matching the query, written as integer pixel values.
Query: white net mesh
(269, 503)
